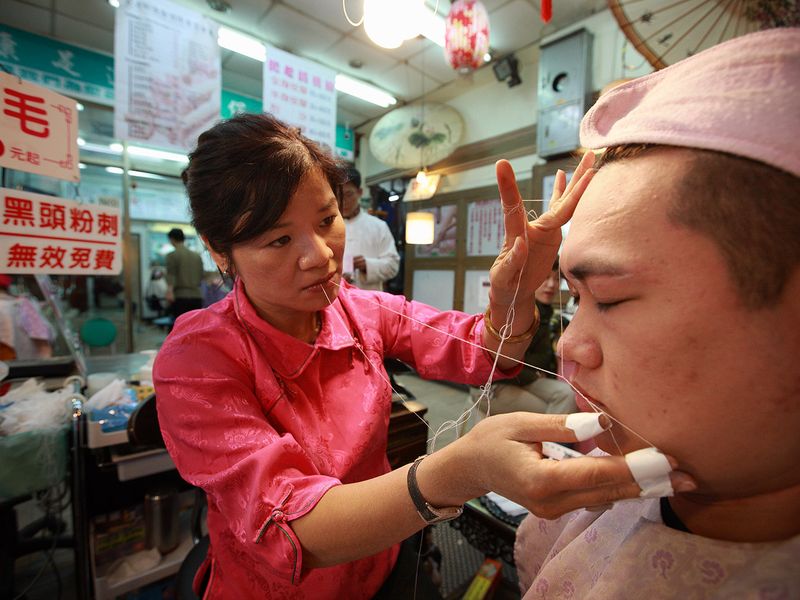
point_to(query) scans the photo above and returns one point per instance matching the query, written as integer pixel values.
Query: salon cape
(628, 552)
(266, 424)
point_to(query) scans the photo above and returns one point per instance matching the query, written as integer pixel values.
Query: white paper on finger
(585, 425)
(651, 471)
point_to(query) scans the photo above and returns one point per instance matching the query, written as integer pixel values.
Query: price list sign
(485, 228)
(301, 93)
(38, 130)
(45, 234)
(167, 74)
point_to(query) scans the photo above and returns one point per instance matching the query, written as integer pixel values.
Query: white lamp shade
(419, 228)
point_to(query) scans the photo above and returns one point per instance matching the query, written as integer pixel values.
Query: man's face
(351, 197)
(662, 343)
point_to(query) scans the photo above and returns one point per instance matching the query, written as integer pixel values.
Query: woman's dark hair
(242, 174)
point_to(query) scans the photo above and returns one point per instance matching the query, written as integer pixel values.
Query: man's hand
(360, 264)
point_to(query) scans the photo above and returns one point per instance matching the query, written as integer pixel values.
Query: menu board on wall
(301, 93)
(485, 228)
(167, 74)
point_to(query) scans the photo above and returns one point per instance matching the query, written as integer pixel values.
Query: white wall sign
(301, 93)
(38, 130)
(46, 234)
(476, 291)
(485, 228)
(435, 288)
(167, 74)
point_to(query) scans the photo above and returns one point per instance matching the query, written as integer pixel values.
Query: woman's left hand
(530, 247)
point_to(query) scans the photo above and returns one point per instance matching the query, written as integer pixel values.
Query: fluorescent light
(432, 26)
(364, 91)
(114, 3)
(114, 170)
(150, 153)
(160, 154)
(144, 175)
(81, 141)
(243, 44)
(79, 106)
(101, 148)
(394, 198)
(81, 166)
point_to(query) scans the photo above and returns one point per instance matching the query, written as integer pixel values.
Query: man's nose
(577, 345)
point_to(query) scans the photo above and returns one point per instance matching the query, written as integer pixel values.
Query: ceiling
(317, 30)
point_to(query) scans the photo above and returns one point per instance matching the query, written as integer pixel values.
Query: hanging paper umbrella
(466, 35)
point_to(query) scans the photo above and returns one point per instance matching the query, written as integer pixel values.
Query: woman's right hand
(503, 454)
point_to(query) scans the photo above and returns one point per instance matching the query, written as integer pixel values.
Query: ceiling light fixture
(114, 3)
(364, 91)
(151, 153)
(242, 44)
(389, 23)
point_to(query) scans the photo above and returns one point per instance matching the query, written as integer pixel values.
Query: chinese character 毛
(26, 111)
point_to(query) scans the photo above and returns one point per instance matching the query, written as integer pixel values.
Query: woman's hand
(503, 453)
(535, 255)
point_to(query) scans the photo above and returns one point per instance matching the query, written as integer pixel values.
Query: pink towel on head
(741, 97)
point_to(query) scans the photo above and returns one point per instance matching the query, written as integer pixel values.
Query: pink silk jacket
(266, 424)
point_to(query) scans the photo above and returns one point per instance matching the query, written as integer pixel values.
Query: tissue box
(32, 461)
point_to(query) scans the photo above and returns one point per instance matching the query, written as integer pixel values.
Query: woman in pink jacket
(276, 403)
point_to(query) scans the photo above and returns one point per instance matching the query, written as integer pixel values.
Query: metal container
(161, 520)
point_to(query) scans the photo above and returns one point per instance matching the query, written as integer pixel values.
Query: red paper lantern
(466, 38)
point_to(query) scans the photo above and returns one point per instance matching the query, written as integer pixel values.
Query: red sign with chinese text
(46, 234)
(38, 130)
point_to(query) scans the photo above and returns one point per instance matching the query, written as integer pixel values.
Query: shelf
(97, 438)
(141, 464)
(108, 588)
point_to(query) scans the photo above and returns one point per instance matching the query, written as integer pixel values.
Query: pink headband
(741, 97)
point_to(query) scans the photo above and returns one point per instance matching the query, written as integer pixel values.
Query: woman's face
(295, 267)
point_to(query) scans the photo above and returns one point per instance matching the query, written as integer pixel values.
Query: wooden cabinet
(408, 432)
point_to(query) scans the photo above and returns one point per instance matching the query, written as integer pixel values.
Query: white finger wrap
(585, 425)
(651, 471)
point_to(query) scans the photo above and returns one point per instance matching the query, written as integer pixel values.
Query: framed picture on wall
(445, 220)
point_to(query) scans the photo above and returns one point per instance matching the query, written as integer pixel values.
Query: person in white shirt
(371, 257)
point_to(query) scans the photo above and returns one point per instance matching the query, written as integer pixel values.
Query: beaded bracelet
(512, 339)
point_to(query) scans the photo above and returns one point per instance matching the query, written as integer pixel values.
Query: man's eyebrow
(596, 267)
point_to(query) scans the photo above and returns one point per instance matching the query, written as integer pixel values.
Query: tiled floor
(460, 560)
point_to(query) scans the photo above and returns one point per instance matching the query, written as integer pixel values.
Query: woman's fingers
(512, 263)
(514, 216)
(604, 486)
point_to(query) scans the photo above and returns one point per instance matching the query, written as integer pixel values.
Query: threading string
(521, 362)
